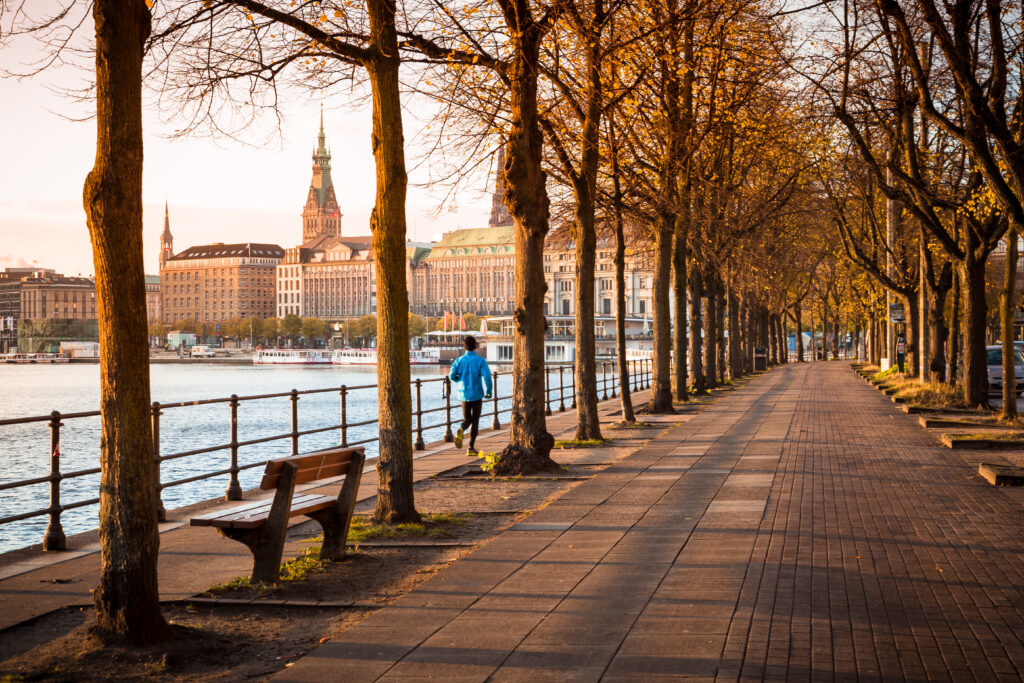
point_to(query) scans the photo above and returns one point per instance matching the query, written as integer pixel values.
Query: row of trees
(920, 165)
(682, 128)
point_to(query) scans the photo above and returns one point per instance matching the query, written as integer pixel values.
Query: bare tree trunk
(784, 348)
(955, 326)
(939, 330)
(127, 599)
(735, 352)
(720, 327)
(912, 333)
(700, 385)
(710, 334)
(529, 447)
(661, 387)
(835, 337)
(799, 334)
(1007, 305)
(744, 331)
(588, 427)
(751, 333)
(395, 501)
(679, 290)
(620, 284)
(588, 422)
(975, 311)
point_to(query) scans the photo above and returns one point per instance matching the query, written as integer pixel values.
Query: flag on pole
(462, 323)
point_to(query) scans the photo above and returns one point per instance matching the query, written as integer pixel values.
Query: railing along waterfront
(448, 413)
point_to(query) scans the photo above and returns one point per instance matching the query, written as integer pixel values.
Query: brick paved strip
(798, 529)
(649, 555)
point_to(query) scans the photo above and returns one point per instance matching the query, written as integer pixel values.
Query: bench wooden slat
(313, 466)
(240, 511)
(258, 517)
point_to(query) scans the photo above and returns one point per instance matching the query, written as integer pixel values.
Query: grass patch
(581, 443)
(434, 525)
(926, 393)
(633, 425)
(991, 436)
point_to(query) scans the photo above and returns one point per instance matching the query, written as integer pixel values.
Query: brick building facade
(216, 282)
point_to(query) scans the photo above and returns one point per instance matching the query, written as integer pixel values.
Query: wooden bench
(262, 525)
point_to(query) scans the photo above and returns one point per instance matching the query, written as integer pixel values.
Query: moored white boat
(354, 357)
(33, 358)
(369, 357)
(291, 357)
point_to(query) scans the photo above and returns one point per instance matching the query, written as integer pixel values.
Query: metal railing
(54, 538)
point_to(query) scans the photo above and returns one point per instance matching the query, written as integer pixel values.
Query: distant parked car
(995, 368)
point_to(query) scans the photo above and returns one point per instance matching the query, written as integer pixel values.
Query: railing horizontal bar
(46, 418)
(24, 515)
(320, 430)
(188, 480)
(360, 443)
(24, 482)
(80, 504)
(198, 451)
(264, 439)
(80, 473)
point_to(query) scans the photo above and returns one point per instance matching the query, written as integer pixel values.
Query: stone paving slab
(797, 529)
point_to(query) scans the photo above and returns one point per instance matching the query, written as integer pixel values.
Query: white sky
(218, 191)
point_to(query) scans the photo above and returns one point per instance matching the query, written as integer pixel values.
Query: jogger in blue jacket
(473, 373)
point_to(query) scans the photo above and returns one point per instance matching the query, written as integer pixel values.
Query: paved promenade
(798, 529)
(192, 559)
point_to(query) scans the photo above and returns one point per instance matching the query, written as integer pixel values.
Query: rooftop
(218, 250)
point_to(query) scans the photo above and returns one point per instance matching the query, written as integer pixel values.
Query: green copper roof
(502, 235)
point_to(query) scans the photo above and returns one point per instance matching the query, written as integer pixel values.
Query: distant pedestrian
(473, 373)
(901, 352)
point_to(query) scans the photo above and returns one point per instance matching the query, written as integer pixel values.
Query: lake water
(29, 390)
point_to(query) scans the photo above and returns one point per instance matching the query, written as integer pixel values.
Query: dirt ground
(220, 638)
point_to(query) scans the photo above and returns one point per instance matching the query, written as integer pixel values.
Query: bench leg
(336, 520)
(267, 542)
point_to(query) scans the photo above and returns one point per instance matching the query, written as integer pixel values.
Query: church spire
(166, 239)
(321, 216)
(322, 149)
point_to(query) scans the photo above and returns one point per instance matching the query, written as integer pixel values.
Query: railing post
(295, 421)
(604, 380)
(634, 376)
(343, 399)
(547, 390)
(448, 436)
(561, 390)
(573, 379)
(614, 377)
(497, 423)
(234, 491)
(161, 513)
(419, 445)
(54, 539)
(650, 372)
